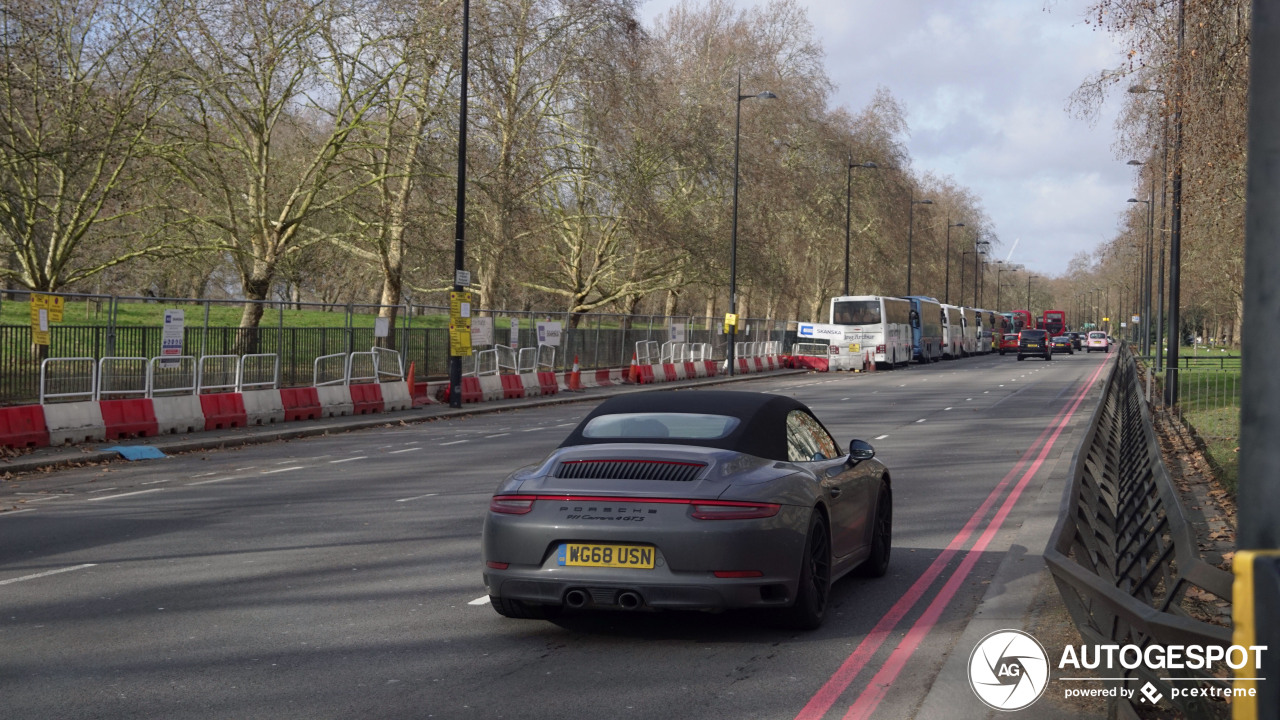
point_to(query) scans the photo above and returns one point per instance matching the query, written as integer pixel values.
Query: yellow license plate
(1032, 345)
(608, 556)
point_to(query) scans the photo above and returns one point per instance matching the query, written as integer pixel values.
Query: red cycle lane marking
(875, 691)
(830, 691)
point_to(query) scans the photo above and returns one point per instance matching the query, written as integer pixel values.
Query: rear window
(1097, 335)
(1033, 334)
(655, 426)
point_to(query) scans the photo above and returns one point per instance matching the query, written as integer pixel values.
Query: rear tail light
(498, 565)
(728, 510)
(511, 504)
(738, 573)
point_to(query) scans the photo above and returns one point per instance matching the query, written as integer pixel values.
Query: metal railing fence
(98, 326)
(1124, 557)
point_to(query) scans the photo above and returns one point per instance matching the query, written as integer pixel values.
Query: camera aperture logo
(1008, 670)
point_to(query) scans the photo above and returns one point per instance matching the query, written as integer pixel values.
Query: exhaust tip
(575, 598)
(629, 601)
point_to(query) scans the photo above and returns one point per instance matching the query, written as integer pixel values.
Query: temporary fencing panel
(258, 371)
(171, 376)
(330, 370)
(218, 373)
(75, 378)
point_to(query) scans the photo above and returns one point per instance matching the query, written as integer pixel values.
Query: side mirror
(860, 450)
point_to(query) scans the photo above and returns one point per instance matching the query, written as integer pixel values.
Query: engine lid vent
(629, 470)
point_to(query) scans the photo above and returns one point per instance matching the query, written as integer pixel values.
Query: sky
(985, 84)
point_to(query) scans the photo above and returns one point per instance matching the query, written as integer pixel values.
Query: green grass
(1210, 403)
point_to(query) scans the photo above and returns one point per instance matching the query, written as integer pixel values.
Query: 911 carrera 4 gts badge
(622, 514)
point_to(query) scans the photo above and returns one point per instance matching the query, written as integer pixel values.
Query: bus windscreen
(856, 312)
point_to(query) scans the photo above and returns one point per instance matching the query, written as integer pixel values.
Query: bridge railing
(1124, 557)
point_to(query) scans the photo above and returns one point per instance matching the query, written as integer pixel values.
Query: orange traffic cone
(575, 377)
(633, 373)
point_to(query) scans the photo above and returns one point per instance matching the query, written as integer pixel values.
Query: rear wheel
(877, 563)
(521, 610)
(1021, 357)
(814, 591)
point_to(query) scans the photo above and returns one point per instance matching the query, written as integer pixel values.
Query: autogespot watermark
(1010, 670)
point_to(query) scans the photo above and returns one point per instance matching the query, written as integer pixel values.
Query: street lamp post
(1146, 271)
(980, 249)
(848, 209)
(460, 219)
(948, 283)
(911, 226)
(1029, 292)
(733, 240)
(999, 269)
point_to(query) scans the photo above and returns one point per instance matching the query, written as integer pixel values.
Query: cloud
(985, 84)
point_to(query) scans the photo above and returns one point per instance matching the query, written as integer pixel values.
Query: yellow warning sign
(460, 324)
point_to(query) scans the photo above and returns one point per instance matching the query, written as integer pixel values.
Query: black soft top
(762, 430)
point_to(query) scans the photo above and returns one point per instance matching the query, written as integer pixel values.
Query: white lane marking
(531, 430)
(880, 438)
(154, 482)
(946, 408)
(986, 392)
(842, 399)
(922, 420)
(358, 457)
(106, 489)
(967, 399)
(1002, 386)
(413, 442)
(250, 467)
(204, 474)
(135, 492)
(28, 497)
(15, 512)
(286, 462)
(498, 435)
(565, 424)
(46, 573)
(418, 497)
(455, 442)
(480, 601)
(280, 470)
(405, 450)
(215, 480)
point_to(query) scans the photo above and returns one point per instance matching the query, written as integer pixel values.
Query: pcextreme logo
(1008, 670)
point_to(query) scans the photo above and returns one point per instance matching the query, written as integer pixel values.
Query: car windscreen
(652, 426)
(1097, 335)
(1033, 334)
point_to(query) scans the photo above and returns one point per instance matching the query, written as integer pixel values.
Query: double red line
(867, 701)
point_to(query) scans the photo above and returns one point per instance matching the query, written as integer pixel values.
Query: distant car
(689, 500)
(1077, 340)
(1034, 343)
(1062, 344)
(1009, 343)
(1098, 341)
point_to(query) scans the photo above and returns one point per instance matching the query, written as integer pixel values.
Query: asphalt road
(339, 576)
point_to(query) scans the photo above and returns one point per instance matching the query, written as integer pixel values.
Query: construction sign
(44, 310)
(460, 324)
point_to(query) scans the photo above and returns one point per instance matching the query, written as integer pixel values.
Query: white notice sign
(171, 337)
(515, 333)
(676, 332)
(381, 327)
(549, 333)
(482, 331)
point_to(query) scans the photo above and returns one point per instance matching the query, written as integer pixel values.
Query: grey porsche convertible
(693, 500)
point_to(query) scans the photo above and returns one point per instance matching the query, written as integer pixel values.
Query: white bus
(878, 323)
(844, 344)
(955, 329)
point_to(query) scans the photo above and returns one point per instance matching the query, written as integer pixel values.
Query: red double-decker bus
(1055, 322)
(1022, 320)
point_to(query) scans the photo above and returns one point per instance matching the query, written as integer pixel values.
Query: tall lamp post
(848, 207)
(948, 283)
(1029, 277)
(999, 269)
(733, 240)
(460, 219)
(981, 248)
(1146, 272)
(911, 226)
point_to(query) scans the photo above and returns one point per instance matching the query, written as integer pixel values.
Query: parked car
(1034, 343)
(1062, 344)
(1009, 343)
(689, 500)
(1098, 341)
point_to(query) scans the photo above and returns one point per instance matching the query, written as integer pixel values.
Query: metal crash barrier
(1124, 558)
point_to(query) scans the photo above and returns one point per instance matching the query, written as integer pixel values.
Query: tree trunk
(256, 288)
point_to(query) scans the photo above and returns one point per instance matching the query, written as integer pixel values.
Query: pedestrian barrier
(171, 375)
(512, 387)
(471, 392)
(335, 400)
(22, 426)
(123, 376)
(73, 377)
(218, 372)
(178, 414)
(263, 407)
(301, 404)
(129, 418)
(258, 371)
(223, 411)
(366, 398)
(74, 422)
(1124, 557)
(547, 382)
(396, 396)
